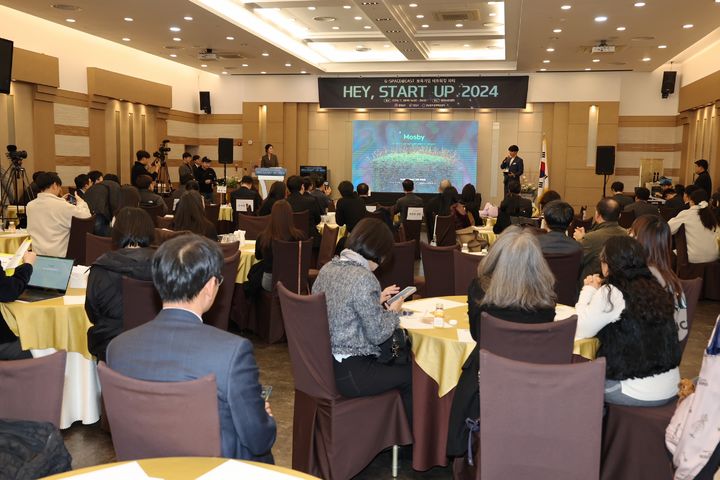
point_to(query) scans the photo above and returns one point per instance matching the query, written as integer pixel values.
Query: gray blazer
(176, 346)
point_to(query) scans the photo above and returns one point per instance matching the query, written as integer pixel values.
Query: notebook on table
(49, 279)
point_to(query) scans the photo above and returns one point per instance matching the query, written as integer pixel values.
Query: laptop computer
(50, 279)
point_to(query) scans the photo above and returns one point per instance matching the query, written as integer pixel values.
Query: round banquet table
(438, 357)
(247, 260)
(61, 324)
(187, 468)
(9, 242)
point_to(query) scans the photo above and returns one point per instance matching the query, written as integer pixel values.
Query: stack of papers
(79, 276)
(236, 469)
(126, 471)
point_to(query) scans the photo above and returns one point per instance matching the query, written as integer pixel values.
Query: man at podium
(269, 159)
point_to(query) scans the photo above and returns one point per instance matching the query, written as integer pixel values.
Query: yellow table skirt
(226, 213)
(49, 324)
(10, 242)
(488, 233)
(341, 233)
(247, 260)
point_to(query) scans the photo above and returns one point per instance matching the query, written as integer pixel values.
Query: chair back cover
(667, 212)
(566, 268)
(398, 270)
(626, 219)
(438, 264)
(252, 225)
(162, 235)
(219, 314)
(692, 289)
(79, 227)
(465, 268)
(540, 422)
(165, 222)
(95, 247)
(32, 389)
(301, 221)
(445, 231)
(229, 249)
(141, 302)
(129, 196)
(291, 262)
(154, 211)
(308, 335)
(328, 242)
(161, 419)
(412, 232)
(547, 343)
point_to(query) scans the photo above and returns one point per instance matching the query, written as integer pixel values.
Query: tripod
(12, 178)
(164, 185)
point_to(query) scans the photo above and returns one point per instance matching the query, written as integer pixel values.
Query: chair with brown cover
(155, 211)
(692, 289)
(253, 226)
(566, 268)
(667, 212)
(333, 437)
(438, 264)
(129, 196)
(626, 218)
(162, 235)
(328, 242)
(79, 228)
(398, 270)
(301, 220)
(709, 272)
(95, 247)
(412, 232)
(161, 419)
(229, 249)
(212, 213)
(165, 222)
(32, 389)
(540, 422)
(219, 315)
(170, 203)
(141, 302)
(465, 270)
(445, 231)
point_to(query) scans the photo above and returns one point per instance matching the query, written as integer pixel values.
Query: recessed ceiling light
(466, 45)
(459, 25)
(419, 16)
(367, 27)
(620, 29)
(336, 28)
(546, 61)
(70, 20)
(203, 65)
(177, 39)
(188, 18)
(601, 18)
(566, 7)
(229, 38)
(588, 69)
(550, 49)
(639, 4)
(128, 19)
(288, 64)
(492, 14)
(175, 29)
(596, 60)
(311, 8)
(662, 46)
(125, 39)
(543, 69)
(173, 55)
(557, 30)
(347, 7)
(688, 25)
(224, 73)
(386, 46)
(412, 5)
(646, 59)
(265, 54)
(244, 64)
(358, 18)
(425, 25)
(263, 73)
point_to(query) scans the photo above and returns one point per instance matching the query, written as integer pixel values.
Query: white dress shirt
(48, 222)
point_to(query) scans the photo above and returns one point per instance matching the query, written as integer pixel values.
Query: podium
(268, 176)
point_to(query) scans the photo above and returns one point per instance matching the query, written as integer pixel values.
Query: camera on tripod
(16, 156)
(162, 151)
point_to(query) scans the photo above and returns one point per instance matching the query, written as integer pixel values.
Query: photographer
(144, 166)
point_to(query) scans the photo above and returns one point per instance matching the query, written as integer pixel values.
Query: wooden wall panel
(130, 89)
(35, 68)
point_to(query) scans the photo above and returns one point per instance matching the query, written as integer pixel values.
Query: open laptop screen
(51, 273)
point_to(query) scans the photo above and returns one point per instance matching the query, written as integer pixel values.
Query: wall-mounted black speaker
(605, 160)
(6, 57)
(225, 150)
(668, 84)
(205, 102)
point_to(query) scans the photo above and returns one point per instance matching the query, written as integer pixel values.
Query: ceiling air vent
(457, 16)
(231, 56)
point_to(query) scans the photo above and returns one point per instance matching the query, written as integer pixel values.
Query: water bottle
(439, 316)
(11, 227)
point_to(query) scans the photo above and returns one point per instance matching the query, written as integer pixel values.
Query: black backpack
(31, 450)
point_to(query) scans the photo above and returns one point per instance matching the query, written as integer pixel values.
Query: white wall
(77, 50)
(640, 94)
(700, 60)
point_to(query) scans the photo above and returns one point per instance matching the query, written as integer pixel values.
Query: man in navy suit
(176, 346)
(512, 166)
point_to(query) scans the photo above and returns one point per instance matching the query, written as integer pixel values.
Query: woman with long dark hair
(280, 227)
(450, 205)
(278, 191)
(350, 209)
(471, 201)
(653, 233)
(701, 228)
(190, 215)
(633, 317)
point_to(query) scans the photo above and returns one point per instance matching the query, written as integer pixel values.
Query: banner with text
(423, 92)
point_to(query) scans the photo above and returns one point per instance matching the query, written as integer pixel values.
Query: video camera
(16, 156)
(162, 151)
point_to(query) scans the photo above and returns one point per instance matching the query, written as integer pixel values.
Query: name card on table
(414, 213)
(221, 189)
(243, 205)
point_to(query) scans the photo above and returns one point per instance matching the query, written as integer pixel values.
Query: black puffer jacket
(104, 301)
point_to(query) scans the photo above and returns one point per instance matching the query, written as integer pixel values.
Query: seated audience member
(450, 205)
(512, 206)
(618, 195)
(82, 184)
(666, 186)
(514, 284)
(176, 346)
(674, 198)
(350, 209)
(547, 197)
(358, 321)
(703, 179)
(471, 200)
(433, 207)
(132, 234)
(701, 228)
(31, 190)
(278, 191)
(605, 226)
(50, 216)
(363, 191)
(144, 166)
(715, 204)
(633, 317)
(641, 206)
(653, 233)
(11, 287)
(300, 203)
(558, 216)
(246, 192)
(409, 199)
(148, 198)
(321, 191)
(280, 227)
(190, 215)
(103, 199)
(207, 180)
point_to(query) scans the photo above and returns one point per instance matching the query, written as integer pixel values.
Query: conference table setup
(438, 356)
(11, 240)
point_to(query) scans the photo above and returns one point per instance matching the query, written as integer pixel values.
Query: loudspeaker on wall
(605, 160)
(668, 84)
(205, 102)
(225, 150)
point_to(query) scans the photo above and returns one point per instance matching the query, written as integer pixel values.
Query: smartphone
(403, 294)
(72, 200)
(266, 391)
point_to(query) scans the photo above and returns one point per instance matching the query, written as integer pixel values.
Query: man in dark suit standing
(300, 202)
(703, 179)
(558, 216)
(512, 167)
(246, 192)
(178, 346)
(269, 159)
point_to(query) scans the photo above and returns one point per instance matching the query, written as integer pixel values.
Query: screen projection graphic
(387, 152)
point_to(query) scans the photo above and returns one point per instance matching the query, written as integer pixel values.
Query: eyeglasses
(219, 279)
